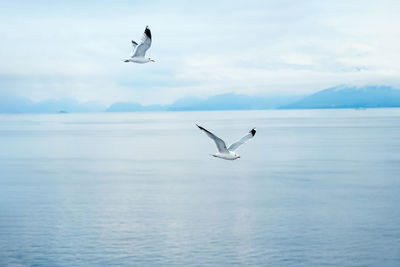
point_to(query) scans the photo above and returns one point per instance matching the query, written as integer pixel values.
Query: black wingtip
(201, 128)
(147, 32)
(253, 131)
(133, 42)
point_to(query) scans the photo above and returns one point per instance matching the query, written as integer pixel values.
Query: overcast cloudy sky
(74, 49)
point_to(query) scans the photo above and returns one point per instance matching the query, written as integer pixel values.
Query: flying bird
(139, 51)
(228, 153)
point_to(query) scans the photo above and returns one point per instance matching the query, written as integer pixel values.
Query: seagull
(228, 153)
(139, 51)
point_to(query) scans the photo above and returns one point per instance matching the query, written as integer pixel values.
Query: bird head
(237, 156)
(152, 60)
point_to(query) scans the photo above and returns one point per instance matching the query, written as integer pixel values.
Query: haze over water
(313, 188)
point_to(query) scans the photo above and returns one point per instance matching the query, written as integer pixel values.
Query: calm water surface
(313, 188)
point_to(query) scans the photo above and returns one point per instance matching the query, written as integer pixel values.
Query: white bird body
(139, 60)
(139, 50)
(228, 156)
(223, 151)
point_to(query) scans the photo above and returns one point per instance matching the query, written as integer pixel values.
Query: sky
(75, 49)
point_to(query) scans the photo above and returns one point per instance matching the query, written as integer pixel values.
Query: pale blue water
(313, 188)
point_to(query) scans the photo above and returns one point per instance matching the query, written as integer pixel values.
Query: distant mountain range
(336, 97)
(349, 97)
(10, 103)
(219, 102)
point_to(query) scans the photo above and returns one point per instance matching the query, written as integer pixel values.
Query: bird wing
(243, 140)
(218, 141)
(134, 45)
(144, 45)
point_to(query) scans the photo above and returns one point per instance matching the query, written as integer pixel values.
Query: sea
(312, 188)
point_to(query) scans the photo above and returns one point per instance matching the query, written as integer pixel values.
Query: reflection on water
(312, 188)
